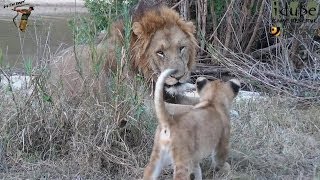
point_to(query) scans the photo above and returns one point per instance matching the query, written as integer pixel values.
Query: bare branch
(256, 27)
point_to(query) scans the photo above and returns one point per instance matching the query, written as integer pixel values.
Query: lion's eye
(182, 48)
(160, 53)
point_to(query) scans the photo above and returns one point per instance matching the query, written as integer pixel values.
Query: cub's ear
(235, 85)
(201, 82)
(137, 28)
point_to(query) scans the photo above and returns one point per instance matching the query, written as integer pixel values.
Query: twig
(177, 4)
(266, 50)
(256, 27)
(228, 32)
(290, 80)
(201, 20)
(214, 24)
(11, 90)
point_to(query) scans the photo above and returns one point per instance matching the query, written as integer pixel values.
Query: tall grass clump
(102, 14)
(1, 58)
(91, 137)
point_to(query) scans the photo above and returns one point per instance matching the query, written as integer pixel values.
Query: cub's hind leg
(220, 156)
(160, 155)
(155, 165)
(183, 171)
(183, 165)
(197, 172)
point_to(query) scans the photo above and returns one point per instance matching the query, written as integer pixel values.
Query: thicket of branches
(234, 39)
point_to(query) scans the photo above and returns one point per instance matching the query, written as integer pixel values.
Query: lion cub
(185, 139)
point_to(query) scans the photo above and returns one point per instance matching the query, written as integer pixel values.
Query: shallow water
(43, 37)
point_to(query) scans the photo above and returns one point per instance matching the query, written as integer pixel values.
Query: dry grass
(62, 140)
(272, 139)
(275, 140)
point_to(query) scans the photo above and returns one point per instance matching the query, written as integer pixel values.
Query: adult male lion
(159, 40)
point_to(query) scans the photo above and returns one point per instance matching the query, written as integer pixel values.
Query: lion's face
(161, 40)
(169, 49)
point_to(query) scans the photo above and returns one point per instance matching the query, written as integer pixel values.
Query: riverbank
(48, 31)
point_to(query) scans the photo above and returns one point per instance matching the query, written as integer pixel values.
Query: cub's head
(162, 40)
(217, 92)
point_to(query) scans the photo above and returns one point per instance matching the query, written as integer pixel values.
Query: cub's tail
(161, 112)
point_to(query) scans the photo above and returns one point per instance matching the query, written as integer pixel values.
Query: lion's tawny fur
(154, 29)
(146, 24)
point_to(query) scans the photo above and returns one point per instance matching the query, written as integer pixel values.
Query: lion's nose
(178, 77)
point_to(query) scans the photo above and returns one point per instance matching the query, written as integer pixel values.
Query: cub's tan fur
(185, 139)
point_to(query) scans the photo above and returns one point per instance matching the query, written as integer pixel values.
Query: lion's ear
(191, 27)
(137, 28)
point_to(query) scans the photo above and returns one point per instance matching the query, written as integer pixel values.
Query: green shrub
(1, 58)
(101, 14)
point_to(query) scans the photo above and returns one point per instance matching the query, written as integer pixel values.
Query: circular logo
(275, 31)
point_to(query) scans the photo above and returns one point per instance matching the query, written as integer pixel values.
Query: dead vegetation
(234, 39)
(273, 139)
